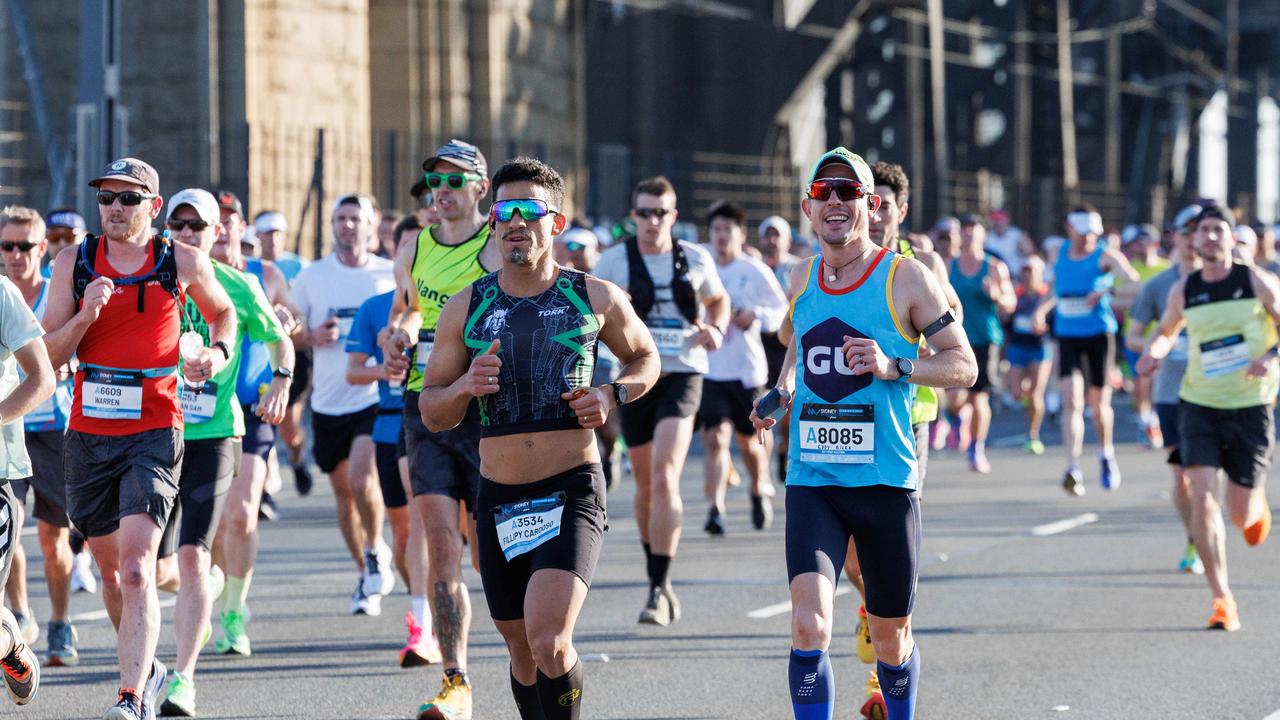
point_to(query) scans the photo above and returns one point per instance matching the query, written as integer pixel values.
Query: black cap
(460, 153)
(227, 200)
(130, 170)
(1214, 210)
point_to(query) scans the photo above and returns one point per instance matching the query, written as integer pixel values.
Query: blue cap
(66, 219)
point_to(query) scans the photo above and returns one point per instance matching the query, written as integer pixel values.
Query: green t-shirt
(214, 412)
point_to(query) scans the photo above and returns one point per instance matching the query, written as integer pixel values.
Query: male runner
(116, 302)
(853, 471)
(774, 239)
(1147, 309)
(22, 240)
(65, 227)
(1027, 347)
(1226, 415)
(329, 292)
(1085, 328)
(738, 370)
(522, 342)
(213, 426)
(1141, 245)
(675, 289)
(20, 347)
(444, 467)
(981, 282)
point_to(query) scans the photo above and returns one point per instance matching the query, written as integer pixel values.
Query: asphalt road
(1031, 605)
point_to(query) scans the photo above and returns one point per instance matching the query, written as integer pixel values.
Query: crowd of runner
(474, 377)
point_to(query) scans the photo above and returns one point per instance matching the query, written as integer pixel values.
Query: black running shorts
(334, 435)
(259, 436)
(114, 476)
(982, 353)
(1238, 441)
(443, 463)
(48, 481)
(1094, 356)
(576, 548)
(393, 495)
(884, 522)
(208, 468)
(674, 395)
(728, 401)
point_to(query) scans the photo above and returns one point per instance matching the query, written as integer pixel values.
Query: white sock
(421, 611)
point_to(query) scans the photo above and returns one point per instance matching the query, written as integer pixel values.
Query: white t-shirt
(18, 326)
(671, 332)
(1008, 246)
(751, 286)
(327, 288)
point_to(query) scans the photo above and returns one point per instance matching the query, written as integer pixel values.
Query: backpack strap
(82, 274)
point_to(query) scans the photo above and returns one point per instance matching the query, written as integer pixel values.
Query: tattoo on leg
(446, 616)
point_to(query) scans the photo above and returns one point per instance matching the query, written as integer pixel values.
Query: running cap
(579, 235)
(66, 219)
(945, 224)
(200, 200)
(778, 223)
(1085, 222)
(130, 170)
(846, 157)
(1214, 210)
(970, 219)
(1245, 235)
(1138, 232)
(460, 153)
(1033, 261)
(270, 221)
(999, 216)
(227, 200)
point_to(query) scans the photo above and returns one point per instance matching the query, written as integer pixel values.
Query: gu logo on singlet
(825, 371)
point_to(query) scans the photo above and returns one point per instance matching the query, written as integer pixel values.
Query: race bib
(1024, 324)
(1179, 351)
(1224, 356)
(668, 335)
(837, 433)
(1073, 307)
(198, 407)
(111, 394)
(346, 318)
(426, 343)
(525, 525)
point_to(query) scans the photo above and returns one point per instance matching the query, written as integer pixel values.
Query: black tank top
(548, 348)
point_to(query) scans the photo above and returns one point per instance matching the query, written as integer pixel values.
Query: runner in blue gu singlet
(858, 313)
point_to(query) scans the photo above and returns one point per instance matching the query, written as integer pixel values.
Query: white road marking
(97, 615)
(1062, 526)
(785, 607)
(1273, 716)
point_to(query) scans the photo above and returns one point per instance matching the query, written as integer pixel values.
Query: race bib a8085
(837, 433)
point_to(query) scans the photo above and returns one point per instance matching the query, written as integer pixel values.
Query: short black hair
(1214, 210)
(892, 174)
(531, 170)
(408, 222)
(724, 209)
(657, 186)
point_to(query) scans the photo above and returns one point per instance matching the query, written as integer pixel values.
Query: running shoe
(1073, 481)
(874, 708)
(302, 479)
(452, 703)
(21, 666)
(715, 524)
(761, 512)
(938, 434)
(663, 607)
(862, 638)
(234, 639)
(28, 630)
(127, 707)
(359, 601)
(267, 510)
(978, 459)
(1109, 476)
(1190, 563)
(82, 577)
(379, 576)
(153, 688)
(734, 478)
(953, 436)
(1256, 533)
(1225, 615)
(1033, 447)
(422, 648)
(62, 644)
(180, 698)
(1153, 437)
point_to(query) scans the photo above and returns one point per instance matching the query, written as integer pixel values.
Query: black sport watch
(619, 393)
(283, 372)
(905, 368)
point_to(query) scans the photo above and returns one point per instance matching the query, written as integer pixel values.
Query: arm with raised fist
(451, 378)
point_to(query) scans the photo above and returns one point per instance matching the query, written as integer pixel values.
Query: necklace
(834, 273)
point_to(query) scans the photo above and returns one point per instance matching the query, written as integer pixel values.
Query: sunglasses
(575, 246)
(646, 213)
(455, 181)
(128, 198)
(195, 225)
(60, 237)
(529, 209)
(10, 246)
(844, 188)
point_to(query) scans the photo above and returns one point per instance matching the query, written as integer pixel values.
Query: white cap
(1085, 222)
(776, 222)
(270, 221)
(202, 201)
(1246, 236)
(582, 236)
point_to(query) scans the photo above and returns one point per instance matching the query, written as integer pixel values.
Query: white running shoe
(82, 577)
(360, 601)
(379, 575)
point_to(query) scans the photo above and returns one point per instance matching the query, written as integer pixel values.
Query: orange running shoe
(1257, 532)
(866, 651)
(1225, 615)
(874, 708)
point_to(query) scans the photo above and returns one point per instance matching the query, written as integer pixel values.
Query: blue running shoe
(1110, 476)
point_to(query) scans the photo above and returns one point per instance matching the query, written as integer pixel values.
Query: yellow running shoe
(866, 651)
(874, 708)
(452, 703)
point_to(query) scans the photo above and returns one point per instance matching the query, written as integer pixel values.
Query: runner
(843, 482)
(22, 239)
(1030, 358)
(270, 229)
(521, 341)
(1085, 328)
(115, 303)
(1007, 242)
(675, 289)
(1141, 245)
(328, 293)
(20, 347)
(1226, 414)
(1147, 309)
(774, 239)
(738, 370)
(982, 283)
(213, 427)
(444, 467)
(65, 227)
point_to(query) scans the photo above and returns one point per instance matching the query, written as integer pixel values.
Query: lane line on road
(785, 607)
(1273, 716)
(1062, 526)
(97, 615)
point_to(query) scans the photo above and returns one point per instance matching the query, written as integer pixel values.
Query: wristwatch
(619, 393)
(905, 368)
(283, 372)
(226, 354)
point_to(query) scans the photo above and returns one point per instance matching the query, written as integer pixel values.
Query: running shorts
(1239, 441)
(208, 468)
(443, 463)
(48, 480)
(674, 395)
(1022, 356)
(982, 353)
(728, 401)
(334, 435)
(1093, 356)
(388, 459)
(114, 476)
(259, 437)
(10, 530)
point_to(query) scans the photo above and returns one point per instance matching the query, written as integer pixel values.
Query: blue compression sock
(813, 689)
(898, 684)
